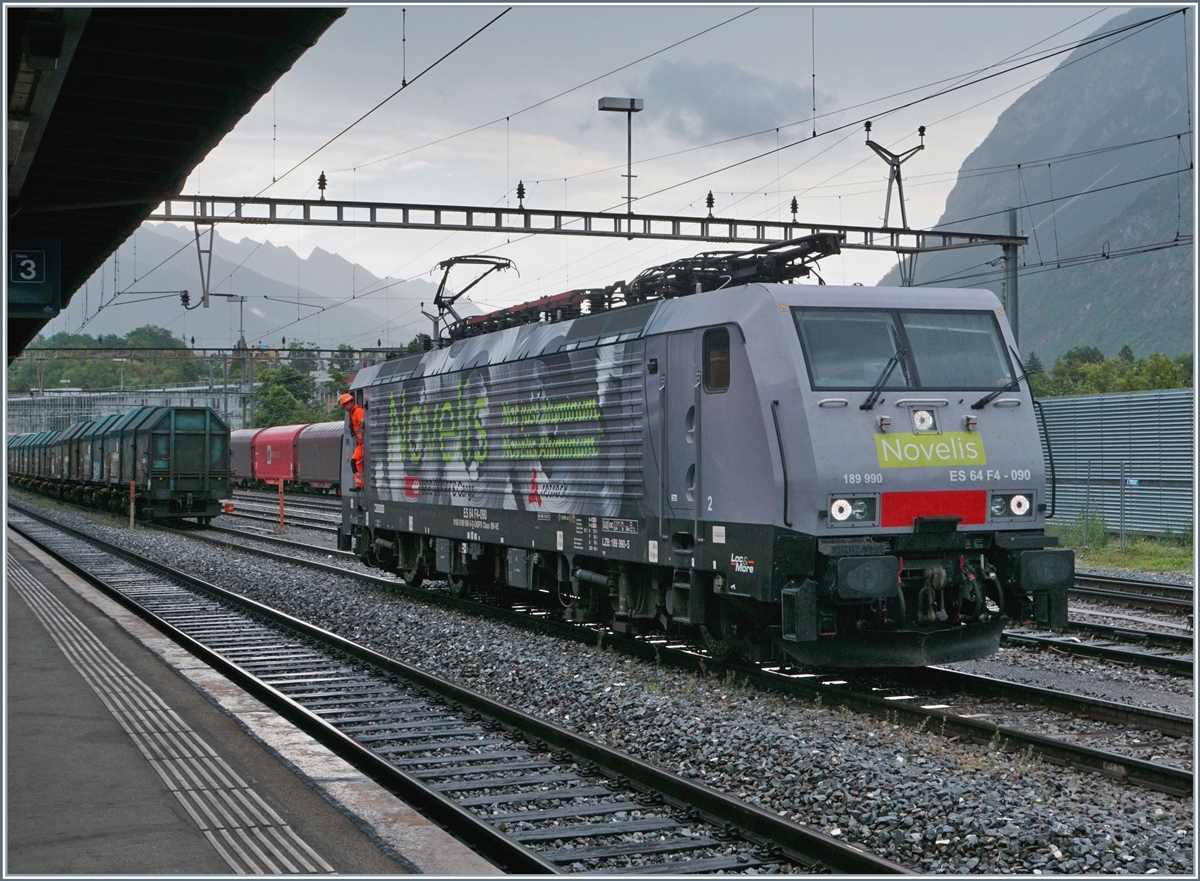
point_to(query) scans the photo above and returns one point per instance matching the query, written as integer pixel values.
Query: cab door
(680, 426)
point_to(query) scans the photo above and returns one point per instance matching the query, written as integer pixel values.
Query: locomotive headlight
(999, 505)
(922, 420)
(859, 509)
(840, 510)
(1019, 505)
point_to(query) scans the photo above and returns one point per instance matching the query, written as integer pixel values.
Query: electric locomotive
(847, 476)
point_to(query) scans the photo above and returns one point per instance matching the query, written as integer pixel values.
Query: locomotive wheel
(460, 585)
(415, 576)
(718, 633)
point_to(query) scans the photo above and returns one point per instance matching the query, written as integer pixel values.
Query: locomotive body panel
(554, 433)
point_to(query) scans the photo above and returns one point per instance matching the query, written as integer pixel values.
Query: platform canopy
(109, 110)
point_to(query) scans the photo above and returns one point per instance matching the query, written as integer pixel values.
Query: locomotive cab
(928, 484)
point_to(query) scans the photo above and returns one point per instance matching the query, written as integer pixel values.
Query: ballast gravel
(926, 801)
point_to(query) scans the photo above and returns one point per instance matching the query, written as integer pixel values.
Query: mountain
(1096, 157)
(301, 299)
(329, 275)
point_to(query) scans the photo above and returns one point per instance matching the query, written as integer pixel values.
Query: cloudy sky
(721, 84)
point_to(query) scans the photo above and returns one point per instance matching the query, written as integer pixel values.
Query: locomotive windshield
(851, 348)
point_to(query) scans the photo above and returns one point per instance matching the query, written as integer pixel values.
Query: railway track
(1170, 653)
(951, 703)
(325, 504)
(1135, 592)
(263, 512)
(532, 796)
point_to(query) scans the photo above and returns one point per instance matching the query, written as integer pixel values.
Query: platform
(126, 755)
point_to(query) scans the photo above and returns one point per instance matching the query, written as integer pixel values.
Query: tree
(344, 360)
(1085, 371)
(285, 397)
(422, 342)
(299, 385)
(275, 405)
(1034, 364)
(338, 382)
(150, 337)
(1083, 355)
(100, 369)
(1185, 363)
(1158, 372)
(303, 357)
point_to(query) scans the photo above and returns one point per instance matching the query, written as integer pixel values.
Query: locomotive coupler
(931, 602)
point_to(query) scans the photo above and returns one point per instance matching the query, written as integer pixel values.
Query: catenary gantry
(465, 218)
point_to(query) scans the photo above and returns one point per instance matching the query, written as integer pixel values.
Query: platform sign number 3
(33, 278)
(28, 267)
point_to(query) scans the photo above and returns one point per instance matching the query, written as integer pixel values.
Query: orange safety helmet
(346, 398)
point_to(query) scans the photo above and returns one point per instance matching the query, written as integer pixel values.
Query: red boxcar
(275, 454)
(319, 455)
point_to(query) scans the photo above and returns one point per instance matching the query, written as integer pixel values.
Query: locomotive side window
(848, 348)
(716, 359)
(957, 349)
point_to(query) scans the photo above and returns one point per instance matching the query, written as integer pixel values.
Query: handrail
(1037, 405)
(782, 460)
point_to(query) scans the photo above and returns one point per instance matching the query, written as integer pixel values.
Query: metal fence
(1127, 458)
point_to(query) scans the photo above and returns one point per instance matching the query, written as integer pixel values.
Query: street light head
(624, 105)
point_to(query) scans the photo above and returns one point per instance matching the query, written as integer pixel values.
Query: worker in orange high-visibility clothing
(356, 426)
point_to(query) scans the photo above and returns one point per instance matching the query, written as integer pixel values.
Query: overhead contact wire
(403, 86)
(941, 93)
(534, 106)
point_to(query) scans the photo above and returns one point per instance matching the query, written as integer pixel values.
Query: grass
(1101, 548)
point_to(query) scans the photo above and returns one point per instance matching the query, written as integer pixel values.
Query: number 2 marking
(710, 503)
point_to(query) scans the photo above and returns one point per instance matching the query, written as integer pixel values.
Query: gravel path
(934, 804)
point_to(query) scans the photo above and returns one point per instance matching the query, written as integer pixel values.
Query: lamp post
(122, 361)
(628, 106)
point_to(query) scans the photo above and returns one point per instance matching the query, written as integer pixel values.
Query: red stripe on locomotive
(899, 508)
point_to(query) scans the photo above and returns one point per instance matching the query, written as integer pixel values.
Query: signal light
(184, 298)
(322, 181)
